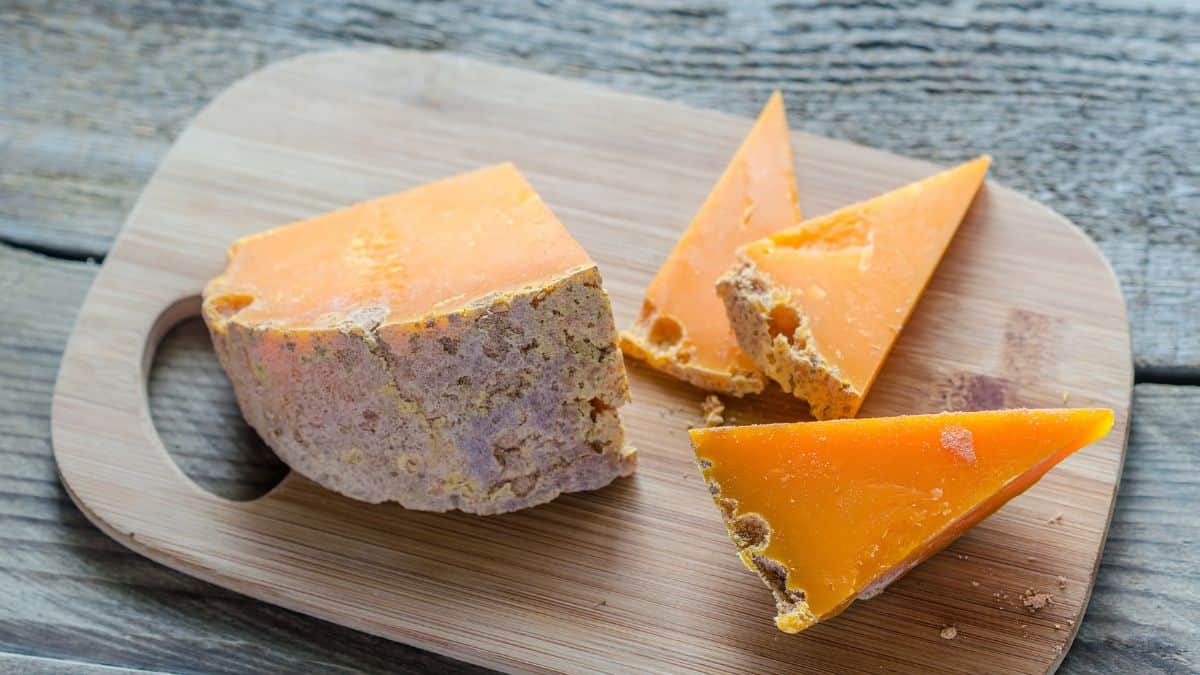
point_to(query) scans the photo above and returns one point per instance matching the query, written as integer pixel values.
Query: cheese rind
(818, 307)
(773, 333)
(829, 512)
(484, 404)
(682, 329)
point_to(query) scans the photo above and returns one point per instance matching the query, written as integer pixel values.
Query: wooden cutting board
(638, 576)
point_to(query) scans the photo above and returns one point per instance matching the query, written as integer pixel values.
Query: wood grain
(593, 580)
(34, 665)
(1087, 106)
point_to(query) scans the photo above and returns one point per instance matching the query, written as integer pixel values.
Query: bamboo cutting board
(639, 576)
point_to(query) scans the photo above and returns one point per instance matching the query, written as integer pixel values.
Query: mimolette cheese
(682, 329)
(830, 512)
(817, 307)
(448, 347)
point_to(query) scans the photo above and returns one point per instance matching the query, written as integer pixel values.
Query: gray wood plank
(1144, 616)
(20, 664)
(73, 594)
(1088, 107)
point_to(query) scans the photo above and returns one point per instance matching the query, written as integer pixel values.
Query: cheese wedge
(818, 307)
(830, 512)
(682, 328)
(448, 347)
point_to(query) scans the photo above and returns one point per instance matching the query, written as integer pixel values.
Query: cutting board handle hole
(197, 417)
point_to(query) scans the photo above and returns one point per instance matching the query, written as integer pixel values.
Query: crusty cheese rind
(751, 533)
(497, 406)
(674, 358)
(751, 299)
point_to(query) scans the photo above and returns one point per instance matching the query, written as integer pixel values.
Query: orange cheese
(818, 306)
(448, 347)
(682, 327)
(436, 246)
(829, 512)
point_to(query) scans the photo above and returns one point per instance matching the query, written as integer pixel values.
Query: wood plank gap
(51, 251)
(1186, 375)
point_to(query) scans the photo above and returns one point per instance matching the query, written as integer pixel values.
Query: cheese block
(818, 307)
(448, 347)
(682, 328)
(829, 512)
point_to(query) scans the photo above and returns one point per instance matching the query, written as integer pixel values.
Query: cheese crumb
(949, 633)
(960, 441)
(712, 408)
(1062, 581)
(1066, 397)
(1035, 601)
(1056, 519)
(352, 456)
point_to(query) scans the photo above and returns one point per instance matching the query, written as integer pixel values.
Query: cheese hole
(751, 530)
(772, 572)
(523, 485)
(599, 406)
(226, 306)
(776, 576)
(197, 417)
(784, 320)
(665, 332)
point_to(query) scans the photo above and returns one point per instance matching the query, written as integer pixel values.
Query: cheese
(818, 307)
(682, 328)
(827, 512)
(448, 347)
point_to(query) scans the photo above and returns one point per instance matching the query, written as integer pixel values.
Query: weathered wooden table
(1090, 108)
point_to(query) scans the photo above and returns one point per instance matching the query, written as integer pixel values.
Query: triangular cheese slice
(817, 307)
(682, 328)
(829, 512)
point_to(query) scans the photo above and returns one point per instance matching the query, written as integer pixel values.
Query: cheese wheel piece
(448, 347)
(682, 328)
(829, 512)
(818, 307)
